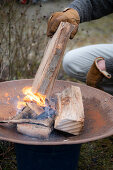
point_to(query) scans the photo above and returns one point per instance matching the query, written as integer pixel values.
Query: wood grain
(70, 111)
(51, 62)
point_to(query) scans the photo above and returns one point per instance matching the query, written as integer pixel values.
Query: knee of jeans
(72, 69)
(68, 65)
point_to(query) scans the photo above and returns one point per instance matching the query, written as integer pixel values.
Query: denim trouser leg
(61, 157)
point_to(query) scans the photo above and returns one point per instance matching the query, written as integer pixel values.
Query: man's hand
(69, 15)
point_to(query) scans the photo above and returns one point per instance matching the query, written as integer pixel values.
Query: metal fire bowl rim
(56, 143)
(22, 139)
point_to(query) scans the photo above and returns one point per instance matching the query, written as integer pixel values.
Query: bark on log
(70, 111)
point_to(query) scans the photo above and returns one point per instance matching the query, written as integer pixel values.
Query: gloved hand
(69, 15)
(97, 72)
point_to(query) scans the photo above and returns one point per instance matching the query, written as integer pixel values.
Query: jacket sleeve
(92, 9)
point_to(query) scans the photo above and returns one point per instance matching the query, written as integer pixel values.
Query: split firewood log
(70, 111)
(7, 124)
(34, 130)
(46, 122)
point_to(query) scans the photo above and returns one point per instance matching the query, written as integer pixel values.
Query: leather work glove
(69, 15)
(97, 72)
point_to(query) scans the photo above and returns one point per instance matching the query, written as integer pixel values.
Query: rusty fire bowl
(98, 107)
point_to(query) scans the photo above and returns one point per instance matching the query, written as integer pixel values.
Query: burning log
(70, 111)
(41, 125)
(46, 122)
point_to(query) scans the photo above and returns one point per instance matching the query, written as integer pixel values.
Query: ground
(22, 43)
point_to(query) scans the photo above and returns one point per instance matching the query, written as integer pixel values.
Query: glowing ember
(18, 97)
(31, 97)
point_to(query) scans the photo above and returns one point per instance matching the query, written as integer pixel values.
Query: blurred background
(23, 40)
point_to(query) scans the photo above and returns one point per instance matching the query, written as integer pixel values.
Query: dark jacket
(92, 9)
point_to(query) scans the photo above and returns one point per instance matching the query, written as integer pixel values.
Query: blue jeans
(60, 157)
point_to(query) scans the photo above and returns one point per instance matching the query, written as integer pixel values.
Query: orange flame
(6, 94)
(20, 104)
(31, 97)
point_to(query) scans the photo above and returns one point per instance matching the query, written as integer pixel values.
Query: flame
(33, 97)
(6, 94)
(20, 104)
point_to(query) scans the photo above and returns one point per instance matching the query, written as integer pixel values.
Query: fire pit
(37, 117)
(98, 109)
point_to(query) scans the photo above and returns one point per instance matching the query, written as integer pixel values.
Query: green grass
(7, 156)
(97, 155)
